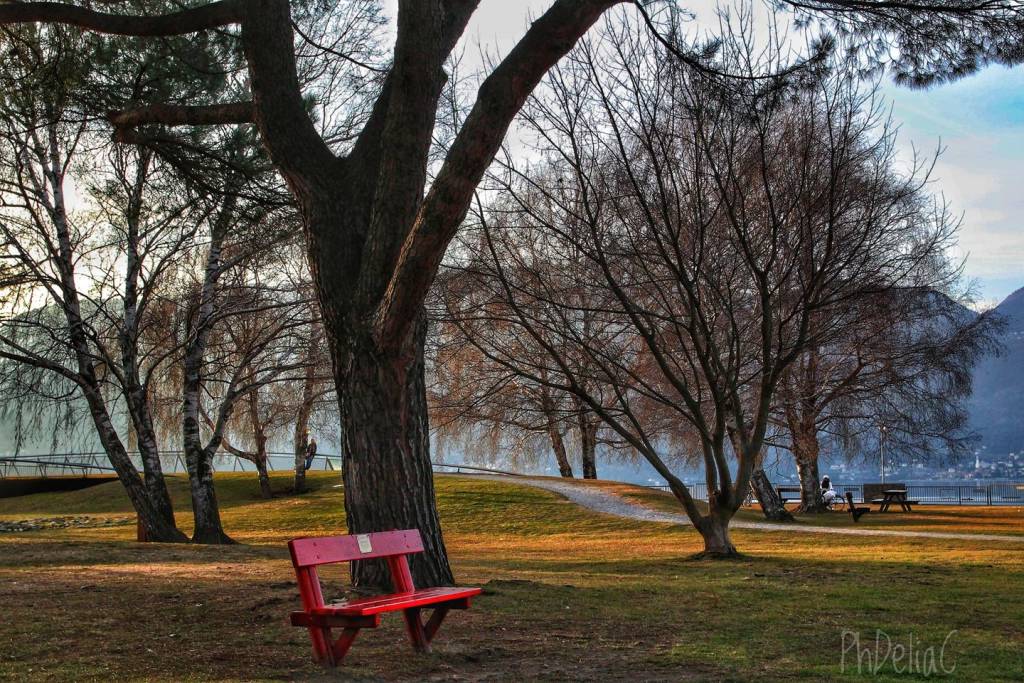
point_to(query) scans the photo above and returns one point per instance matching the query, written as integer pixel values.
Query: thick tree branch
(286, 128)
(390, 158)
(500, 97)
(183, 115)
(174, 24)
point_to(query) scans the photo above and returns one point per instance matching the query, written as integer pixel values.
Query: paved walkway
(607, 502)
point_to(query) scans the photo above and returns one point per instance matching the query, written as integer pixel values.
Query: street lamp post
(881, 449)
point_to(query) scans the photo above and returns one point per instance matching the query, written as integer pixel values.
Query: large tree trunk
(389, 481)
(205, 509)
(555, 434)
(714, 529)
(588, 427)
(376, 237)
(261, 468)
(768, 498)
(806, 450)
(558, 447)
(155, 522)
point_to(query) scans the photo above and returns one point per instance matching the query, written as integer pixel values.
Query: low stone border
(42, 523)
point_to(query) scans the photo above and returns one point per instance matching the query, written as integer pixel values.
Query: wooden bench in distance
(783, 490)
(857, 512)
(352, 615)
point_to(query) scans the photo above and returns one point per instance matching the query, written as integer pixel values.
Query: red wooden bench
(352, 615)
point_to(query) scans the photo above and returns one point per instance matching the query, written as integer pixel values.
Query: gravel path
(600, 500)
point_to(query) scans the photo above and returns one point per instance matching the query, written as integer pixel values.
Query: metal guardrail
(41, 465)
(473, 469)
(699, 490)
(954, 493)
(49, 463)
(939, 493)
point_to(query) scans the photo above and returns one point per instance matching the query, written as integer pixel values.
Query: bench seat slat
(395, 601)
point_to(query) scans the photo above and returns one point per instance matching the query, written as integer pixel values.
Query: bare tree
(80, 285)
(220, 320)
(315, 400)
(715, 226)
(287, 377)
(497, 408)
(900, 362)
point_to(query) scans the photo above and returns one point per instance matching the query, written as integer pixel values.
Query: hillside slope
(997, 405)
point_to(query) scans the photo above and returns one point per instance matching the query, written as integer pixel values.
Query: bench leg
(417, 633)
(330, 652)
(322, 651)
(341, 646)
(327, 650)
(434, 622)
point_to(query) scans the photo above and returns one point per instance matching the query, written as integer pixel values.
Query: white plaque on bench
(364, 543)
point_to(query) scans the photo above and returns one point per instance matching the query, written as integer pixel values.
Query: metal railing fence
(83, 464)
(1010, 492)
(1005, 492)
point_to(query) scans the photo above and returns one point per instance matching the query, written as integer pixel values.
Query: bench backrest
(311, 552)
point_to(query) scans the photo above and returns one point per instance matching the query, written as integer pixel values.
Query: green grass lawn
(569, 595)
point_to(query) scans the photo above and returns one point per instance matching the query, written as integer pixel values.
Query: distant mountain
(997, 405)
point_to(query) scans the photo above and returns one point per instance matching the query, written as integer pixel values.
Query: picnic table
(894, 497)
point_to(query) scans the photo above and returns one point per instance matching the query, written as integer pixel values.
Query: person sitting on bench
(828, 494)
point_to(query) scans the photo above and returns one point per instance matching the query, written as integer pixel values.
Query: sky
(978, 122)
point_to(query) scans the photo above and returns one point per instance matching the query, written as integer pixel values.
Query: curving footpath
(599, 500)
